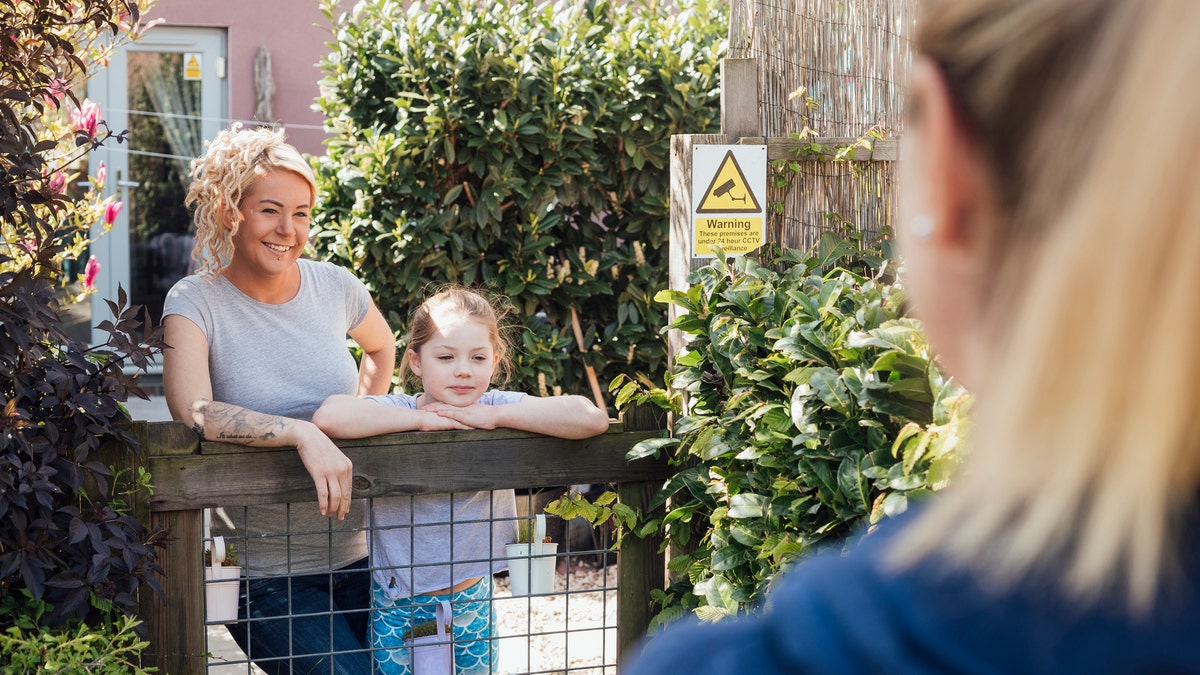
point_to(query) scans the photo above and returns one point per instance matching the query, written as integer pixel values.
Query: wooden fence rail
(190, 475)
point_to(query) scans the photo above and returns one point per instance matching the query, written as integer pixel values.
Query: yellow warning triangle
(729, 191)
(191, 68)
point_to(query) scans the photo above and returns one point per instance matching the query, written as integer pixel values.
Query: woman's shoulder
(323, 269)
(191, 289)
(939, 616)
(191, 282)
(326, 277)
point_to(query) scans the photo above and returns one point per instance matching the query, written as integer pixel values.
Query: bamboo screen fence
(850, 56)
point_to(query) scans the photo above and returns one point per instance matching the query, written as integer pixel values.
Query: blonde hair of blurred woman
(222, 177)
(1085, 447)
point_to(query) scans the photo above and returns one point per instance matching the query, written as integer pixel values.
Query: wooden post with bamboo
(597, 392)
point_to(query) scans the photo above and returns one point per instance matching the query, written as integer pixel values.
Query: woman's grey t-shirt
(413, 548)
(283, 359)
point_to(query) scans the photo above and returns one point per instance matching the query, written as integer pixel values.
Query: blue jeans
(309, 624)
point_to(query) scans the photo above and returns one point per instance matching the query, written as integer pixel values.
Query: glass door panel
(168, 90)
(164, 134)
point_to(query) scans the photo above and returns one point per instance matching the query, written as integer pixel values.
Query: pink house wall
(294, 31)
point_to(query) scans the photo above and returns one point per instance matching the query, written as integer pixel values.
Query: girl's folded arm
(343, 416)
(568, 416)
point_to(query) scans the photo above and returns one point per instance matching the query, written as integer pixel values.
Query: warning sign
(191, 66)
(729, 191)
(729, 185)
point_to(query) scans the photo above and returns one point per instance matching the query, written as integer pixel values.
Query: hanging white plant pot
(221, 586)
(531, 564)
(221, 589)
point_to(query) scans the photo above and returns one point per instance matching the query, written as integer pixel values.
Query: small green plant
(109, 646)
(605, 509)
(525, 532)
(231, 557)
(424, 629)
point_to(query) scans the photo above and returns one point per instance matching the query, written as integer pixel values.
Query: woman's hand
(331, 470)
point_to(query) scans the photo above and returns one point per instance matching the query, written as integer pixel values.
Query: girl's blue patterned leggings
(475, 650)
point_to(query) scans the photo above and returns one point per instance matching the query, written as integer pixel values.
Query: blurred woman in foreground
(1050, 221)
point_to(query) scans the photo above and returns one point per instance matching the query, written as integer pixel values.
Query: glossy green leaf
(747, 505)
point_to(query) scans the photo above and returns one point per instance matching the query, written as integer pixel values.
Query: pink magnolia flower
(101, 174)
(111, 211)
(90, 272)
(56, 90)
(57, 182)
(87, 117)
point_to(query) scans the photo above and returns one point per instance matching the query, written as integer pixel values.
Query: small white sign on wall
(192, 64)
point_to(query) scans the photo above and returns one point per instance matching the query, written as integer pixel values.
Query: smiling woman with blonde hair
(257, 340)
(1049, 221)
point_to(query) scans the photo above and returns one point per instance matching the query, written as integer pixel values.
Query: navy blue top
(850, 614)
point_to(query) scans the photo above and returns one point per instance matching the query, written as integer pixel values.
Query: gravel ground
(532, 630)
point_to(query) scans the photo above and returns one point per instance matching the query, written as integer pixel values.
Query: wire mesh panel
(572, 627)
(564, 623)
(849, 57)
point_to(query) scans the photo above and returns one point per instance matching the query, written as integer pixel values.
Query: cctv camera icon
(725, 189)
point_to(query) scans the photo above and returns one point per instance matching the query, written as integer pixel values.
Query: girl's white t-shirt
(415, 549)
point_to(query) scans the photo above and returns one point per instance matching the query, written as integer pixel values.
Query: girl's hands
(569, 416)
(431, 420)
(474, 416)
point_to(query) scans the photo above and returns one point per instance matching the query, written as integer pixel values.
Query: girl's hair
(1085, 447)
(232, 162)
(464, 302)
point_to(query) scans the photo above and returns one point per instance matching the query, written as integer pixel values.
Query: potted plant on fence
(531, 559)
(221, 581)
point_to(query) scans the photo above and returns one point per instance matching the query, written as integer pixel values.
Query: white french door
(168, 90)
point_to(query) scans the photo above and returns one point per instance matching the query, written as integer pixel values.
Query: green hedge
(522, 147)
(814, 409)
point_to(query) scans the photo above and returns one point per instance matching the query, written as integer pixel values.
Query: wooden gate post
(642, 566)
(176, 620)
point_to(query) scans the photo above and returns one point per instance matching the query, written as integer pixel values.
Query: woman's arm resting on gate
(188, 388)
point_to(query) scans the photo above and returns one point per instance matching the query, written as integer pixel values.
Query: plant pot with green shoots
(221, 581)
(531, 559)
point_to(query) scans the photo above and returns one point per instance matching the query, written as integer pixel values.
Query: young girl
(456, 350)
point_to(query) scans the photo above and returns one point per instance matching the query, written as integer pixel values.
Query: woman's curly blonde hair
(231, 163)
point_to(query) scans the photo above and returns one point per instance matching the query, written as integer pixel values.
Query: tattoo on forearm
(199, 431)
(234, 436)
(235, 424)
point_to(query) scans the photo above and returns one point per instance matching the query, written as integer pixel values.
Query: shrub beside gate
(523, 147)
(807, 408)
